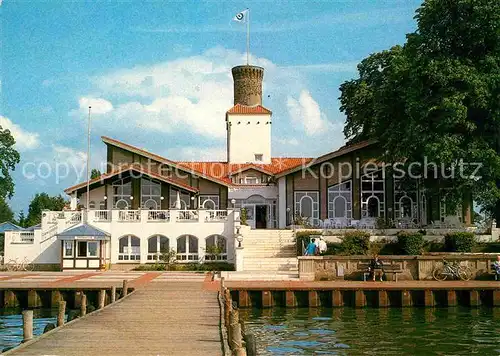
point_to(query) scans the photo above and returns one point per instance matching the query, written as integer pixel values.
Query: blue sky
(157, 75)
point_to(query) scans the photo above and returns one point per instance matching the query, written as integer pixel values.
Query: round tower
(248, 85)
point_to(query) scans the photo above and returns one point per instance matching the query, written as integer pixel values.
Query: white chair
(327, 224)
(356, 223)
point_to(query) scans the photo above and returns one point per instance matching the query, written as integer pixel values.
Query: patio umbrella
(178, 201)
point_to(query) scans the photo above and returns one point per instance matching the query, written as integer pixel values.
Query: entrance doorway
(261, 216)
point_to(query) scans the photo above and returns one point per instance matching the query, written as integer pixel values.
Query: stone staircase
(270, 254)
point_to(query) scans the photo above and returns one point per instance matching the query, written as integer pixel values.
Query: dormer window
(251, 180)
(259, 157)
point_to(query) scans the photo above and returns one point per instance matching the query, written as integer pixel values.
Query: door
(261, 216)
(250, 209)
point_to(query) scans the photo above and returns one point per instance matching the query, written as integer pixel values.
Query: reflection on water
(11, 325)
(347, 331)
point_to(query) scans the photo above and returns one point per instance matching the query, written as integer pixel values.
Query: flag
(241, 16)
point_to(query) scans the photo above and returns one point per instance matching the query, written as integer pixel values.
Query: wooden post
(27, 325)
(34, 300)
(405, 298)
(496, 298)
(235, 337)
(113, 294)
(267, 299)
(55, 298)
(360, 297)
(383, 299)
(475, 300)
(243, 299)
(429, 298)
(222, 286)
(451, 298)
(313, 299)
(227, 306)
(250, 344)
(102, 298)
(83, 305)
(290, 299)
(125, 288)
(337, 300)
(61, 312)
(10, 299)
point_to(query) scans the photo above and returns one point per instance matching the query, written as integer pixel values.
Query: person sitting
(496, 268)
(376, 268)
(311, 249)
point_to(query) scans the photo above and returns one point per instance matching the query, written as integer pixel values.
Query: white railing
(187, 215)
(51, 231)
(129, 215)
(101, 215)
(22, 237)
(216, 215)
(72, 218)
(159, 215)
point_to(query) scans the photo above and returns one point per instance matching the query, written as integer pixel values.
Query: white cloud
(25, 140)
(306, 112)
(67, 155)
(99, 106)
(193, 153)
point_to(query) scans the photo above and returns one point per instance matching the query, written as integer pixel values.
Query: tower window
(258, 157)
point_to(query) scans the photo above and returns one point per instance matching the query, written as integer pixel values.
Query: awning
(84, 232)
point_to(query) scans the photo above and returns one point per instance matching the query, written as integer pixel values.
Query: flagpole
(248, 37)
(88, 170)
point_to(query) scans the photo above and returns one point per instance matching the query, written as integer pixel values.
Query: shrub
(355, 243)
(304, 236)
(202, 267)
(459, 242)
(410, 243)
(243, 217)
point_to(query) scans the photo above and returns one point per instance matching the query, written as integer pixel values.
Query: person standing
(322, 247)
(311, 248)
(496, 268)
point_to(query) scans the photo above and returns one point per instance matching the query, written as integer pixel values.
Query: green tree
(437, 97)
(21, 220)
(9, 157)
(95, 173)
(6, 213)
(42, 201)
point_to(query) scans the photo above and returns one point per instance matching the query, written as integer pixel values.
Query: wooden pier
(262, 294)
(166, 316)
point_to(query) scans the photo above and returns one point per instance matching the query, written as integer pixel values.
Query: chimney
(248, 85)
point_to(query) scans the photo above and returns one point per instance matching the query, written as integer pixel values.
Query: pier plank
(163, 318)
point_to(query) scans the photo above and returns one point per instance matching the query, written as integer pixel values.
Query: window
(373, 195)
(92, 205)
(85, 249)
(68, 248)
(251, 180)
(150, 194)
(92, 249)
(185, 200)
(259, 157)
(216, 248)
(210, 202)
(187, 248)
(102, 205)
(129, 248)
(122, 191)
(307, 206)
(405, 199)
(340, 201)
(157, 245)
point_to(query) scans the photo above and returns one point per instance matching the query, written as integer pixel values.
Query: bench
(394, 269)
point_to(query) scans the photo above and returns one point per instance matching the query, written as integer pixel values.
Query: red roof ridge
(245, 109)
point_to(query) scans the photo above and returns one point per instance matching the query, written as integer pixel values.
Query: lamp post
(238, 236)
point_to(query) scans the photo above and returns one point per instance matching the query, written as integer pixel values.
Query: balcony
(22, 237)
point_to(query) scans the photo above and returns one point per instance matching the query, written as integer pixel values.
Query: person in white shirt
(322, 246)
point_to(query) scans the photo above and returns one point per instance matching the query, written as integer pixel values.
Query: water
(11, 325)
(395, 331)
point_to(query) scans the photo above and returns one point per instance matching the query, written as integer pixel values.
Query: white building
(146, 204)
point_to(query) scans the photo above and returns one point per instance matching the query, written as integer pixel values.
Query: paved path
(165, 317)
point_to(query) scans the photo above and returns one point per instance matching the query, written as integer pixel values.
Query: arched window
(157, 245)
(373, 207)
(209, 202)
(187, 248)
(340, 207)
(122, 191)
(216, 248)
(92, 205)
(406, 207)
(150, 194)
(306, 206)
(340, 200)
(129, 248)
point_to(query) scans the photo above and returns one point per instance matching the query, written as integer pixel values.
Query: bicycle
(455, 269)
(23, 266)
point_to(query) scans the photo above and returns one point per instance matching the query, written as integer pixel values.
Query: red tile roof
(243, 109)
